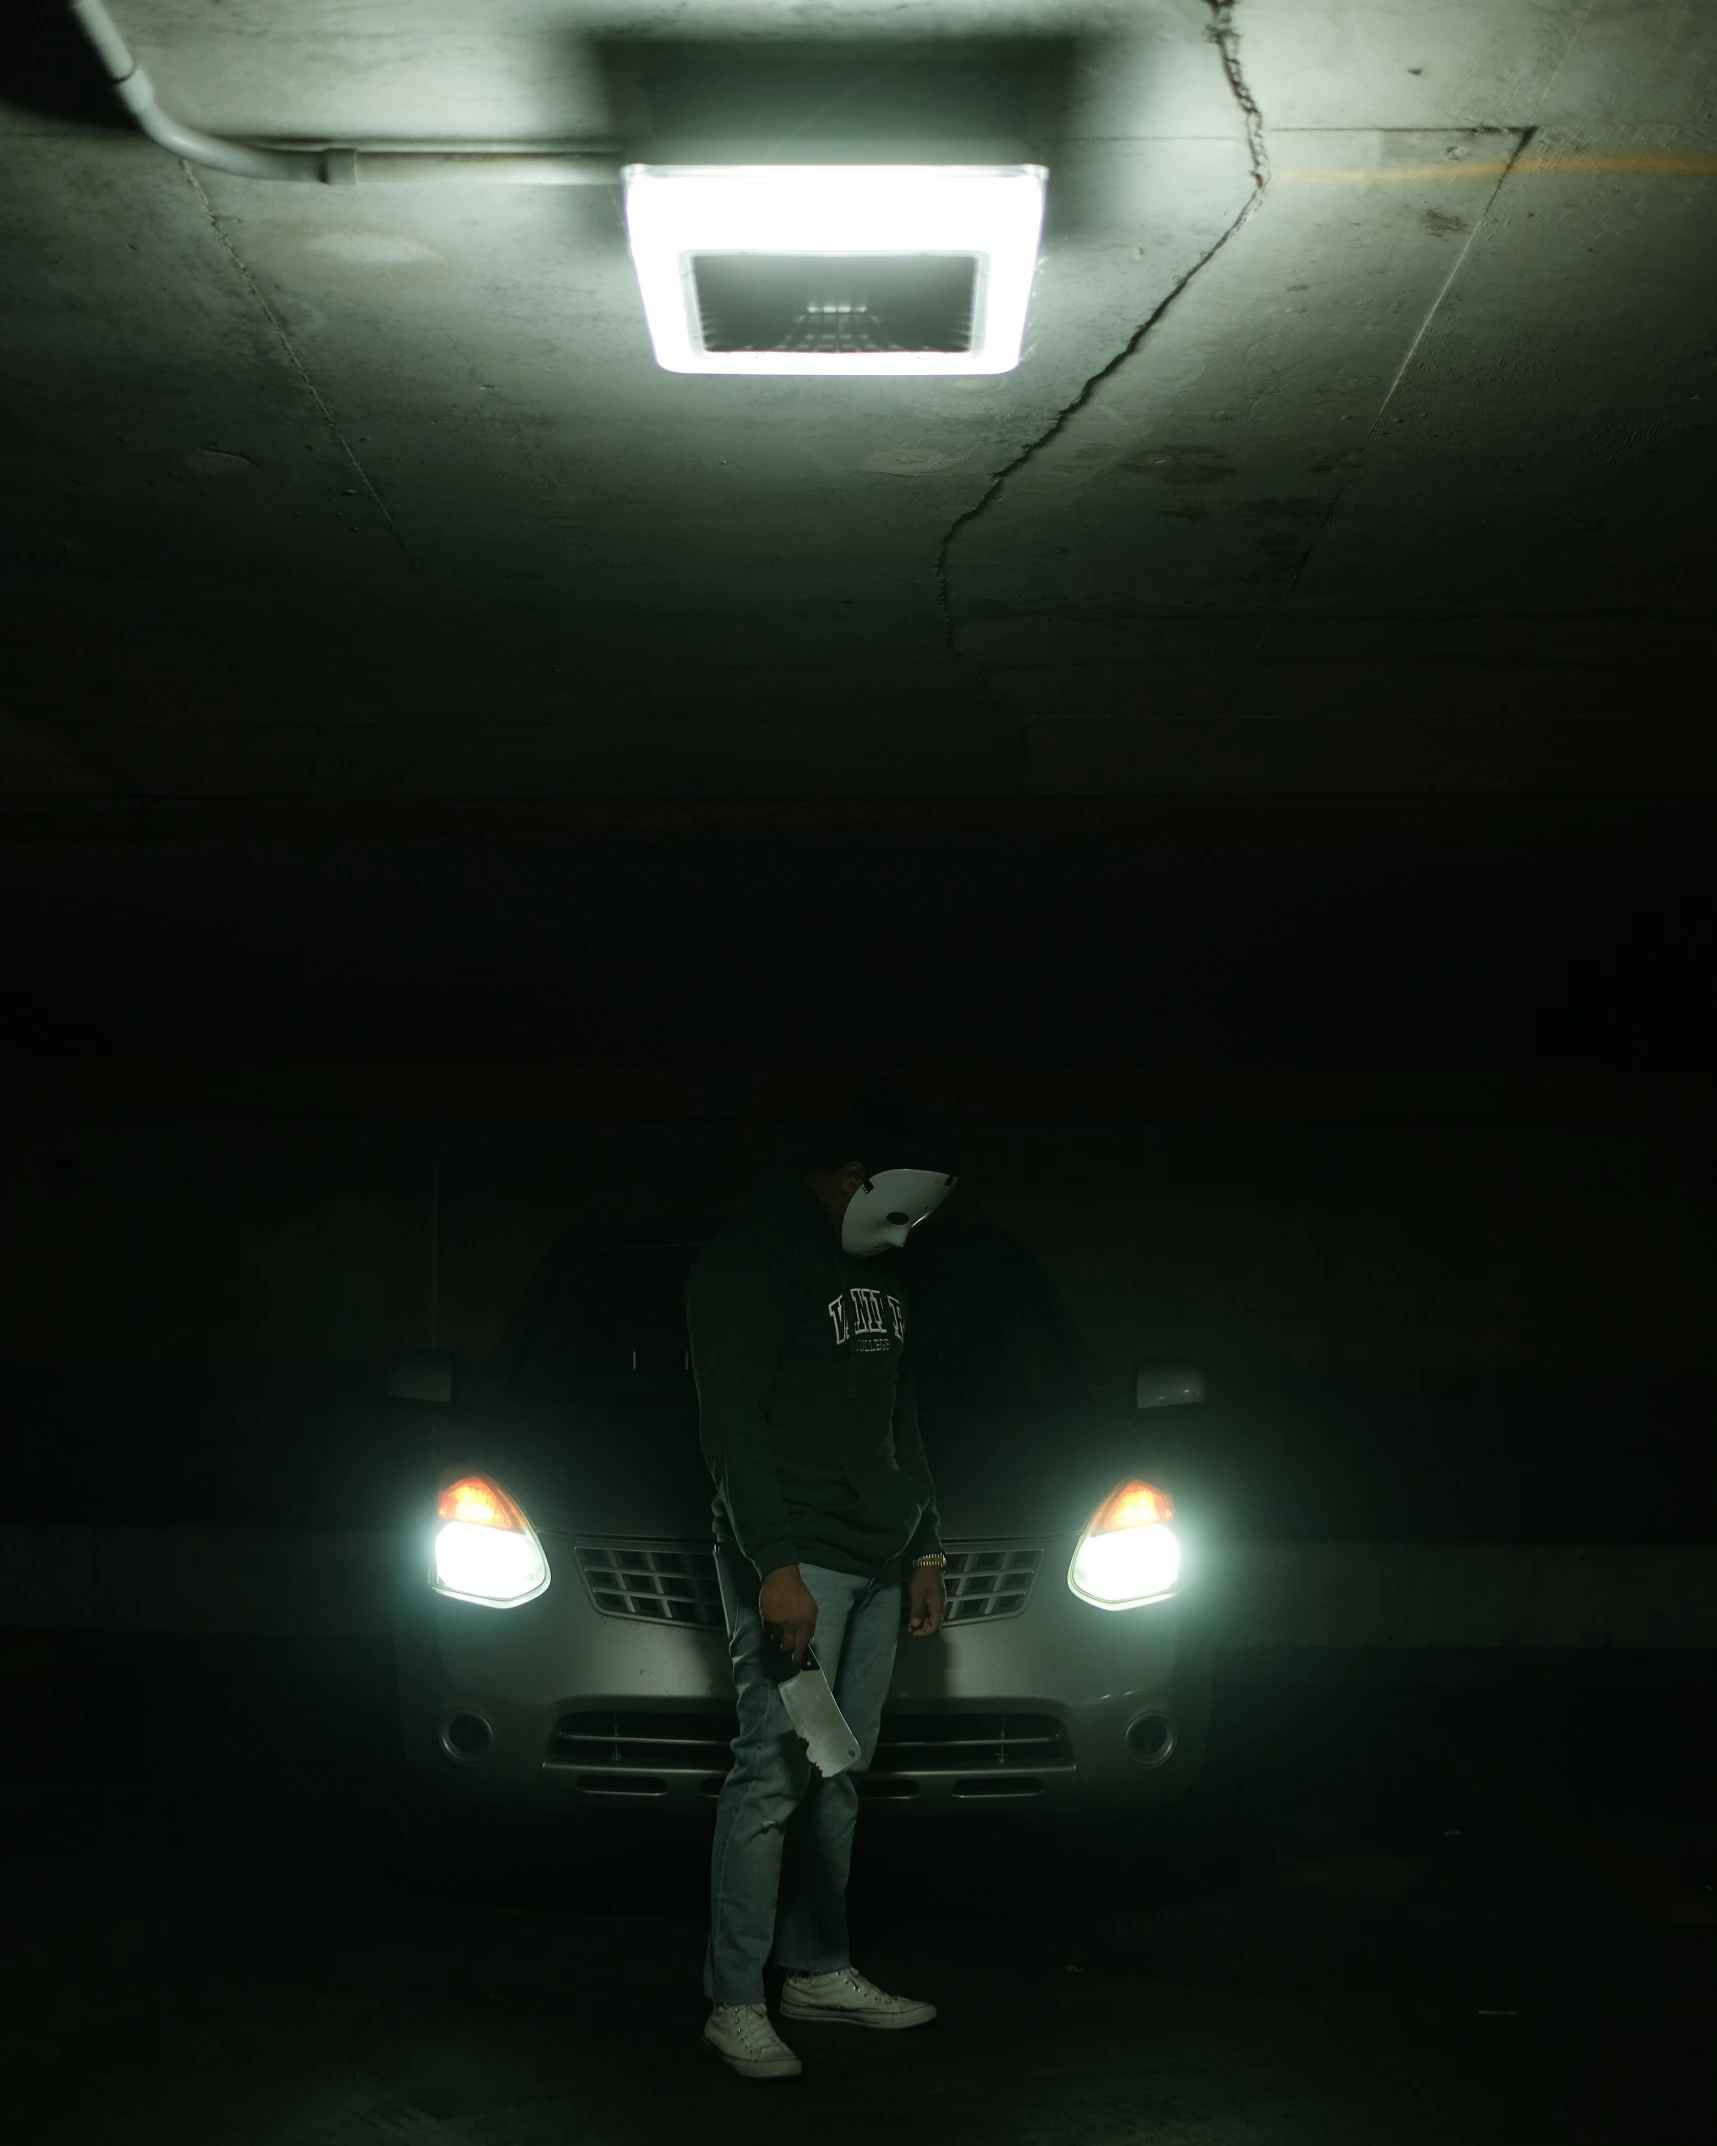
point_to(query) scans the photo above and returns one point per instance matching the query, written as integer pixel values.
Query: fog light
(1151, 1739)
(467, 1737)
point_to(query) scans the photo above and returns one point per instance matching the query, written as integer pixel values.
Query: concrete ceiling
(1371, 374)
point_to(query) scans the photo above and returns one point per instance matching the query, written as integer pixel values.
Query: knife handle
(778, 1664)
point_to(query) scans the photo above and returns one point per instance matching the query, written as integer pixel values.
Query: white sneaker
(843, 1995)
(740, 2034)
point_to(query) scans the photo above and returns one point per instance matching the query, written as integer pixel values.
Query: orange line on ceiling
(1678, 167)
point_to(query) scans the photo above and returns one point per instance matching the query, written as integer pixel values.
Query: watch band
(935, 1560)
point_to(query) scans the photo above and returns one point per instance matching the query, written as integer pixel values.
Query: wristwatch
(933, 1559)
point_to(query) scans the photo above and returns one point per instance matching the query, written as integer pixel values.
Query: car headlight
(1128, 1554)
(485, 1549)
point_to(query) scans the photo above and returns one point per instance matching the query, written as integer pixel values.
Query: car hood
(638, 1471)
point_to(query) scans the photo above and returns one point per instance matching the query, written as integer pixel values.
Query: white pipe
(513, 167)
(351, 164)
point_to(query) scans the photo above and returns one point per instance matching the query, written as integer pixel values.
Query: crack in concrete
(427, 588)
(1225, 38)
(1222, 34)
(1523, 139)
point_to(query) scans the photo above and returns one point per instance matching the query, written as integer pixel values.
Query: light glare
(1127, 1567)
(992, 213)
(480, 1563)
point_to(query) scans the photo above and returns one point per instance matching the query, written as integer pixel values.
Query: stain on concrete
(1441, 224)
(1181, 466)
(910, 461)
(216, 462)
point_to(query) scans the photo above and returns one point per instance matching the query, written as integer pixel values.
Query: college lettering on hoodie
(857, 1316)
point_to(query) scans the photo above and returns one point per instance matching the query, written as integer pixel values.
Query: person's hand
(928, 1601)
(788, 1609)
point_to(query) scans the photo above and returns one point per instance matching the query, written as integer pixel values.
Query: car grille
(635, 1742)
(629, 1747)
(679, 1586)
(916, 1743)
(664, 1586)
(989, 1583)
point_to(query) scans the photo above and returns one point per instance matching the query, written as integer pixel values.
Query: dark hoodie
(806, 1411)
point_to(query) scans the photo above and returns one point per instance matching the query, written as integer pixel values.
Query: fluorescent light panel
(857, 231)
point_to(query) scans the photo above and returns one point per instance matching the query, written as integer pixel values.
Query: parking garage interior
(1241, 767)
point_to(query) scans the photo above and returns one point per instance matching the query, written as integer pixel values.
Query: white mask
(888, 1207)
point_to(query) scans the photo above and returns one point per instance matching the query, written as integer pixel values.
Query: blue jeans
(783, 1841)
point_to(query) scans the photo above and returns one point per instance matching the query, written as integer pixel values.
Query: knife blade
(811, 1708)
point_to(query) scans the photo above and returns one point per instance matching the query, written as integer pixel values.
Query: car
(561, 1641)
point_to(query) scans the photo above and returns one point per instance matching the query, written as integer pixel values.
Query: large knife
(830, 1744)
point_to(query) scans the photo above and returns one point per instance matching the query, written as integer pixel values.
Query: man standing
(823, 1505)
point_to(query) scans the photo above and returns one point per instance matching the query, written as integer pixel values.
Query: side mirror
(422, 1378)
(1166, 1385)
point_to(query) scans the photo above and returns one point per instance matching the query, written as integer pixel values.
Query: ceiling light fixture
(814, 269)
(835, 269)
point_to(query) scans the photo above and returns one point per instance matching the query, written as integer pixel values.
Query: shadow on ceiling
(46, 67)
(973, 99)
(798, 100)
(976, 99)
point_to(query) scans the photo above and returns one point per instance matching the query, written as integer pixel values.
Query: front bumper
(1060, 1709)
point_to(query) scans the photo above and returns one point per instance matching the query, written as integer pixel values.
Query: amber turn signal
(481, 1503)
(1133, 1505)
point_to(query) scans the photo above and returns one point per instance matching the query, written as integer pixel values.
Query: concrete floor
(1396, 1916)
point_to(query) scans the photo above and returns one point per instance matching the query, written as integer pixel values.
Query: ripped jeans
(783, 1839)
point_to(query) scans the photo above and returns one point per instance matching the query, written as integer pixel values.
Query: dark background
(1395, 1117)
(1250, 770)
(1249, 767)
